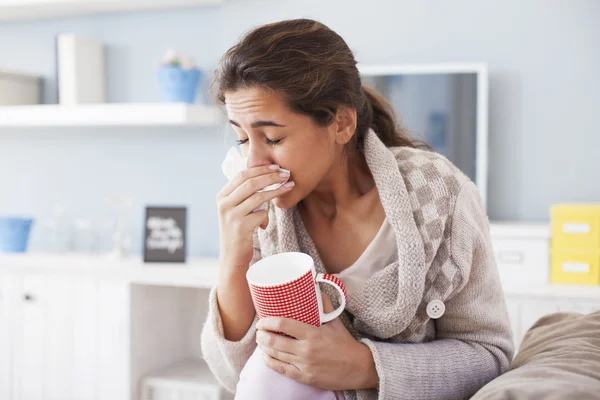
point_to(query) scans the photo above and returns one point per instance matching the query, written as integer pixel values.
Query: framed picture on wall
(165, 234)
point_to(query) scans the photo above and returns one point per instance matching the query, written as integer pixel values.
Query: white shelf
(112, 114)
(196, 273)
(37, 9)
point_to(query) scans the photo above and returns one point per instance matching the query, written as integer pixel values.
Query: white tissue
(234, 163)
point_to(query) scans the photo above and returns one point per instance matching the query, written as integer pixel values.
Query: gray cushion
(559, 358)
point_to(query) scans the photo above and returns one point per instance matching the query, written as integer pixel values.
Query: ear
(346, 124)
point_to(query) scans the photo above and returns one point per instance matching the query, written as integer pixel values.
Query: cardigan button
(435, 309)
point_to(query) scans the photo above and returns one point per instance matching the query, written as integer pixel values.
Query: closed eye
(268, 141)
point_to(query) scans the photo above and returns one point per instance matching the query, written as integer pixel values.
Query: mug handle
(336, 283)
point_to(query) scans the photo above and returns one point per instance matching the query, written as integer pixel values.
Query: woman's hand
(327, 357)
(237, 222)
(236, 203)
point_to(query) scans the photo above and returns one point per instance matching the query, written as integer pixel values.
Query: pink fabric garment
(259, 382)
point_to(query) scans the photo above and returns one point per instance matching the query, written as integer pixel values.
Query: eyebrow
(259, 124)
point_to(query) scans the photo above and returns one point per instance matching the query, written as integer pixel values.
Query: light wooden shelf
(114, 114)
(39, 9)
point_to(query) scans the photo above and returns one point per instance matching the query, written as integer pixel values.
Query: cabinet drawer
(576, 267)
(576, 227)
(522, 260)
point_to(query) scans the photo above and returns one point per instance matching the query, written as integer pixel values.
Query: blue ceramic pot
(178, 85)
(14, 234)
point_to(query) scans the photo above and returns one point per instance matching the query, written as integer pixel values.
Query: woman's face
(270, 133)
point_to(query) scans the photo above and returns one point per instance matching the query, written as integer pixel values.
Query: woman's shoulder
(426, 171)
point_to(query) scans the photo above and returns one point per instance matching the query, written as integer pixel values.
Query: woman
(404, 229)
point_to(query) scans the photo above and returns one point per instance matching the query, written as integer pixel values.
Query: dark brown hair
(314, 70)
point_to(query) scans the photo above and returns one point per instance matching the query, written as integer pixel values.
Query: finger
(278, 343)
(283, 368)
(290, 327)
(278, 355)
(257, 199)
(247, 174)
(258, 218)
(327, 305)
(251, 185)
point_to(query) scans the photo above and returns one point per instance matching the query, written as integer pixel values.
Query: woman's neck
(348, 180)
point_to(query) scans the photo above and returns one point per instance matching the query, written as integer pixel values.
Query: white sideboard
(522, 252)
(528, 303)
(78, 328)
(522, 256)
(62, 337)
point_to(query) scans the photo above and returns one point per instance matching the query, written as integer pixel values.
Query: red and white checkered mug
(287, 285)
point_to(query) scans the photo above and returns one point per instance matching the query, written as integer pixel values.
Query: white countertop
(520, 230)
(202, 273)
(590, 292)
(197, 272)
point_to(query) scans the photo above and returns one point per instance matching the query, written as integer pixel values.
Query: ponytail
(377, 114)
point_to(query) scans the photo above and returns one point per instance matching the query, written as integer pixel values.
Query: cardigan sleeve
(473, 342)
(225, 358)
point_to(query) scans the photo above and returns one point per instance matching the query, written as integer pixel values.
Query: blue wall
(543, 55)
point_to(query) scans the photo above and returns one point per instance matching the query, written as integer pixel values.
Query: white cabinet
(7, 287)
(87, 328)
(112, 342)
(85, 337)
(42, 338)
(28, 338)
(527, 305)
(100, 341)
(522, 252)
(62, 338)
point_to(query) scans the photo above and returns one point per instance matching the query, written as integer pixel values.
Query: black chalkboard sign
(165, 237)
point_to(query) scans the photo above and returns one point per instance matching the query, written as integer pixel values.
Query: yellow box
(575, 226)
(579, 267)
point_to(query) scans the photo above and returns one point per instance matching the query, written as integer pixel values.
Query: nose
(257, 156)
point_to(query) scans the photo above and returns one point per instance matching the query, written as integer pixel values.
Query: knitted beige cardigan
(444, 253)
